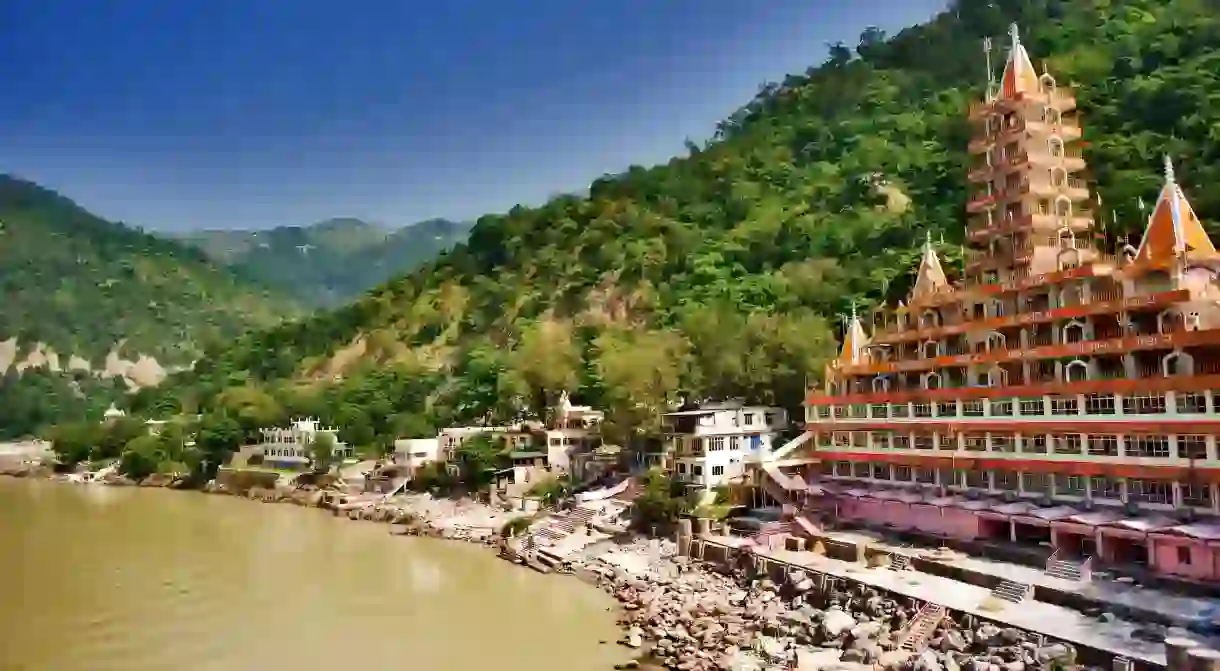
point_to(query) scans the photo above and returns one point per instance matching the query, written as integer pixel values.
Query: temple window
(902, 473)
(1103, 446)
(858, 411)
(972, 408)
(900, 410)
(925, 476)
(1032, 406)
(1099, 404)
(1001, 408)
(843, 469)
(1068, 443)
(1190, 402)
(1148, 447)
(946, 409)
(1196, 495)
(824, 411)
(880, 411)
(860, 469)
(1035, 444)
(1144, 403)
(901, 441)
(1069, 485)
(1034, 482)
(881, 471)
(1075, 371)
(1064, 405)
(859, 439)
(1177, 363)
(840, 411)
(1102, 487)
(923, 409)
(1192, 447)
(841, 439)
(975, 442)
(1149, 491)
(1004, 480)
(1003, 442)
(880, 440)
(924, 441)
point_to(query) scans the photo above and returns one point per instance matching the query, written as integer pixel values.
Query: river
(95, 578)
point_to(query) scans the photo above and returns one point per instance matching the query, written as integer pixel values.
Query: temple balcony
(982, 202)
(1054, 184)
(1076, 221)
(980, 145)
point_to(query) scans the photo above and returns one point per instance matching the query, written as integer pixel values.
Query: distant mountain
(332, 261)
(91, 308)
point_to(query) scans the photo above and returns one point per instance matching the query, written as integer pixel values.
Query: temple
(1057, 395)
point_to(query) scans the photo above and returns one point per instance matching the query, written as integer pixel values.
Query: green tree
(322, 452)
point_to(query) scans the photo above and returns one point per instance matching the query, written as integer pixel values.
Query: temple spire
(930, 277)
(1174, 230)
(1019, 74)
(854, 340)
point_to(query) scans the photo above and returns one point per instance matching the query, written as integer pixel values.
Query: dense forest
(333, 261)
(724, 272)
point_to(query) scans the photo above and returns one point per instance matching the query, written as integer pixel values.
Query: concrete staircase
(582, 515)
(899, 561)
(921, 628)
(790, 446)
(1012, 591)
(1066, 569)
(779, 486)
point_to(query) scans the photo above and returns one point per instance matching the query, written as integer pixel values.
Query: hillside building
(710, 444)
(1060, 395)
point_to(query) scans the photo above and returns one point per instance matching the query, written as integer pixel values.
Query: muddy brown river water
(94, 578)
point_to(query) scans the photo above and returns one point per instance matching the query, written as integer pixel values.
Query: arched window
(1076, 371)
(1055, 146)
(1073, 331)
(1063, 206)
(1058, 176)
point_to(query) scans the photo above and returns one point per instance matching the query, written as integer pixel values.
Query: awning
(1144, 524)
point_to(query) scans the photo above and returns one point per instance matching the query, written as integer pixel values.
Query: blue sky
(186, 114)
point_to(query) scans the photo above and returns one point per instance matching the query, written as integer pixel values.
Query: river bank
(684, 615)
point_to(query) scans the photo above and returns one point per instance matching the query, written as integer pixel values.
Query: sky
(233, 114)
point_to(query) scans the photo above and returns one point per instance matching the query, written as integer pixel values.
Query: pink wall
(1165, 557)
(952, 522)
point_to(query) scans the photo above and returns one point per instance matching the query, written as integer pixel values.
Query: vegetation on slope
(723, 272)
(84, 286)
(330, 262)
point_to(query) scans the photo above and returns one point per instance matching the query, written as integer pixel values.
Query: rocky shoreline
(683, 615)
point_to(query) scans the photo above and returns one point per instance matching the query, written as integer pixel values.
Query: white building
(711, 444)
(290, 447)
(451, 438)
(415, 452)
(573, 435)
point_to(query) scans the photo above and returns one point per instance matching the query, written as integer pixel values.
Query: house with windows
(412, 453)
(710, 444)
(573, 438)
(290, 447)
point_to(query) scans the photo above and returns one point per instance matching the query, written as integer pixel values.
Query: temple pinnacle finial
(853, 310)
(1015, 34)
(1169, 178)
(927, 240)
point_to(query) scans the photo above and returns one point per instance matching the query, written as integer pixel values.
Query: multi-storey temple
(1057, 395)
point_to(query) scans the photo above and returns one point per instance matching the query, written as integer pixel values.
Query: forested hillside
(86, 299)
(724, 272)
(330, 262)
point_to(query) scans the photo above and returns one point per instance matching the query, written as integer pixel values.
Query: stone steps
(899, 562)
(1064, 569)
(1012, 591)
